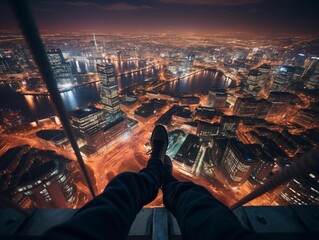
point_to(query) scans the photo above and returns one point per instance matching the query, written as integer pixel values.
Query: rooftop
(243, 150)
(8, 156)
(84, 112)
(112, 124)
(261, 153)
(37, 170)
(166, 118)
(188, 151)
(183, 113)
(150, 108)
(51, 135)
(255, 72)
(208, 113)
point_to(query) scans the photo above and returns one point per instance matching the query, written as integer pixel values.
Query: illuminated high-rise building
(263, 167)
(253, 82)
(237, 163)
(191, 58)
(281, 101)
(282, 79)
(38, 177)
(109, 89)
(4, 65)
(118, 53)
(313, 71)
(48, 185)
(60, 68)
(301, 191)
(88, 123)
(229, 123)
(307, 118)
(95, 44)
(207, 130)
(246, 107)
(310, 67)
(251, 107)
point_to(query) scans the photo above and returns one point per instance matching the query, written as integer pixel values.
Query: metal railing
(308, 163)
(31, 35)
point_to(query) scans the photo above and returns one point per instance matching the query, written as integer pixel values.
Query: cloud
(213, 2)
(69, 3)
(80, 4)
(124, 7)
(104, 5)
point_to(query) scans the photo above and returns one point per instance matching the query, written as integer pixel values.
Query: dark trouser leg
(198, 213)
(110, 215)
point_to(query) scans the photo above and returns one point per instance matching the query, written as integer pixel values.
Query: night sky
(213, 16)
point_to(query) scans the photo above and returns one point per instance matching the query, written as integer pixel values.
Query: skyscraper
(301, 191)
(60, 68)
(282, 79)
(229, 123)
(251, 107)
(253, 83)
(88, 124)
(264, 165)
(313, 69)
(36, 178)
(4, 65)
(237, 163)
(310, 67)
(95, 44)
(109, 89)
(207, 130)
(307, 118)
(281, 101)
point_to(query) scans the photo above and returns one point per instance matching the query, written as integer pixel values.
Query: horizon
(204, 16)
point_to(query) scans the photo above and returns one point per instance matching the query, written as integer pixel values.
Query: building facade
(88, 123)
(251, 107)
(36, 178)
(109, 89)
(216, 98)
(282, 79)
(60, 68)
(301, 191)
(237, 163)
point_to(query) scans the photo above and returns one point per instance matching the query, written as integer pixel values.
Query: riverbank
(33, 93)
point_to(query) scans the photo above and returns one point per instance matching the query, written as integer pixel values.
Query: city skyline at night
(235, 83)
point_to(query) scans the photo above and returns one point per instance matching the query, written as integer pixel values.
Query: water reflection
(30, 101)
(136, 78)
(69, 99)
(83, 65)
(41, 106)
(199, 82)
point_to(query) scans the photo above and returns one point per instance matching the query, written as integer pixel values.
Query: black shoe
(168, 166)
(159, 142)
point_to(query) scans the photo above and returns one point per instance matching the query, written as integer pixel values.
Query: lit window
(28, 193)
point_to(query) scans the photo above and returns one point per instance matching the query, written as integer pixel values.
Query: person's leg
(111, 214)
(198, 213)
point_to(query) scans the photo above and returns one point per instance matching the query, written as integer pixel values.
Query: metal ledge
(293, 222)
